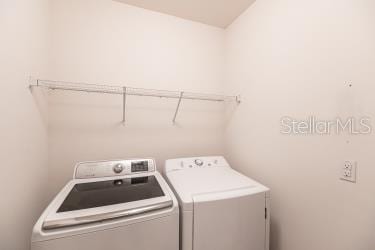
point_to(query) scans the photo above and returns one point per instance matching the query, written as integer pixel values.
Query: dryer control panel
(195, 163)
(97, 169)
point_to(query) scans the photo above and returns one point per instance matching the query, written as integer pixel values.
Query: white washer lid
(212, 180)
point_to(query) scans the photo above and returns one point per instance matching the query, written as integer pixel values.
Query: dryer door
(230, 220)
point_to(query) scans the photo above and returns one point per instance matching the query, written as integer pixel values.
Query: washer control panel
(195, 163)
(96, 169)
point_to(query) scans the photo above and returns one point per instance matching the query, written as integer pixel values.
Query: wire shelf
(75, 86)
(129, 91)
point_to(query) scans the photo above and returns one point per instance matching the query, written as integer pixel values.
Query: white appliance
(220, 209)
(120, 204)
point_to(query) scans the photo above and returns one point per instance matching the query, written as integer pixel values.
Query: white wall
(287, 57)
(297, 58)
(104, 41)
(23, 132)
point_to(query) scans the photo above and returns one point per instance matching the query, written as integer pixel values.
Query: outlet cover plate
(348, 171)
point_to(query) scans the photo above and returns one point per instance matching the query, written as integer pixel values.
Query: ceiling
(220, 13)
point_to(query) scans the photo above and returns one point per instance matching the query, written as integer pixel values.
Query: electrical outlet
(349, 171)
(348, 165)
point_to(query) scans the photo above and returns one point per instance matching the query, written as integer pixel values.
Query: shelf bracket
(123, 105)
(178, 106)
(33, 83)
(238, 99)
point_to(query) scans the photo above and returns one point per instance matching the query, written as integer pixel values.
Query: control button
(198, 162)
(118, 168)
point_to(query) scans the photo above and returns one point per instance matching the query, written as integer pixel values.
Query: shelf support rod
(123, 105)
(178, 106)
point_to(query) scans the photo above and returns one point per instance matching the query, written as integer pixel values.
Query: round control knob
(118, 168)
(198, 162)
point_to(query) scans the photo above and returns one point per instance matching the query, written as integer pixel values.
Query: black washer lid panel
(104, 193)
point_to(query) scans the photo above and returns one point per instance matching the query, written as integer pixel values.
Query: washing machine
(117, 205)
(220, 208)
